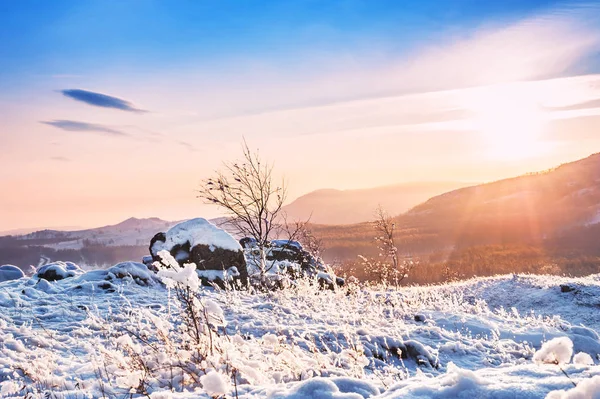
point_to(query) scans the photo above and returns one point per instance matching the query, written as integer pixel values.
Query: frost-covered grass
(105, 334)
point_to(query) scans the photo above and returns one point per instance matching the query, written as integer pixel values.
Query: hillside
(528, 208)
(330, 206)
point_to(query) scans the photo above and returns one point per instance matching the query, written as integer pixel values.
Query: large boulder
(10, 272)
(200, 242)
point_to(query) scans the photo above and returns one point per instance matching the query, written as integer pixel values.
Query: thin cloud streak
(101, 100)
(76, 126)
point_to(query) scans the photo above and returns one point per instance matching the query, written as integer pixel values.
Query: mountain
(528, 208)
(105, 245)
(330, 206)
(132, 231)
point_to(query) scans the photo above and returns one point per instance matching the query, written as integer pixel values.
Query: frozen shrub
(556, 351)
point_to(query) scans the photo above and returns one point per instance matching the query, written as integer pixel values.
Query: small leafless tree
(312, 243)
(388, 266)
(250, 198)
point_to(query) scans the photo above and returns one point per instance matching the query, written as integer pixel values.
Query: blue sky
(73, 37)
(101, 100)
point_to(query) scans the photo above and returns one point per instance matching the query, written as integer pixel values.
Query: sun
(509, 120)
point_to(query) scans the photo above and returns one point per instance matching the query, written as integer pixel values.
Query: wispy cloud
(579, 106)
(101, 100)
(555, 44)
(76, 126)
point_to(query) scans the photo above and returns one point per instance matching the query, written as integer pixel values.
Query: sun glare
(510, 121)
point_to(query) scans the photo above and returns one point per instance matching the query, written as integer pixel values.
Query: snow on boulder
(420, 354)
(147, 260)
(58, 270)
(207, 246)
(292, 251)
(287, 259)
(125, 273)
(10, 272)
(138, 272)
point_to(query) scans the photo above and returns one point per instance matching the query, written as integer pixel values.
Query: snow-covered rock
(136, 271)
(286, 261)
(58, 270)
(207, 246)
(10, 272)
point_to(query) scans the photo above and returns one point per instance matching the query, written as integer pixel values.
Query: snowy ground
(86, 336)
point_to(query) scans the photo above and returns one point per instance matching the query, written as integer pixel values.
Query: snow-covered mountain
(132, 231)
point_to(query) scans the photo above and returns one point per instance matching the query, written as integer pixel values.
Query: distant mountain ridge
(101, 246)
(132, 231)
(338, 207)
(528, 208)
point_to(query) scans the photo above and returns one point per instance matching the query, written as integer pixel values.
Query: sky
(116, 109)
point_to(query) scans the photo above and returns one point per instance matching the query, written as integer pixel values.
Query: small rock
(566, 288)
(420, 318)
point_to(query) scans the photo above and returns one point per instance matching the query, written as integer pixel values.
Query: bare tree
(250, 198)
(313, 244)
(388, 265)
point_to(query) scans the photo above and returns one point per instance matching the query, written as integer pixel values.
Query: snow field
(121, 332)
